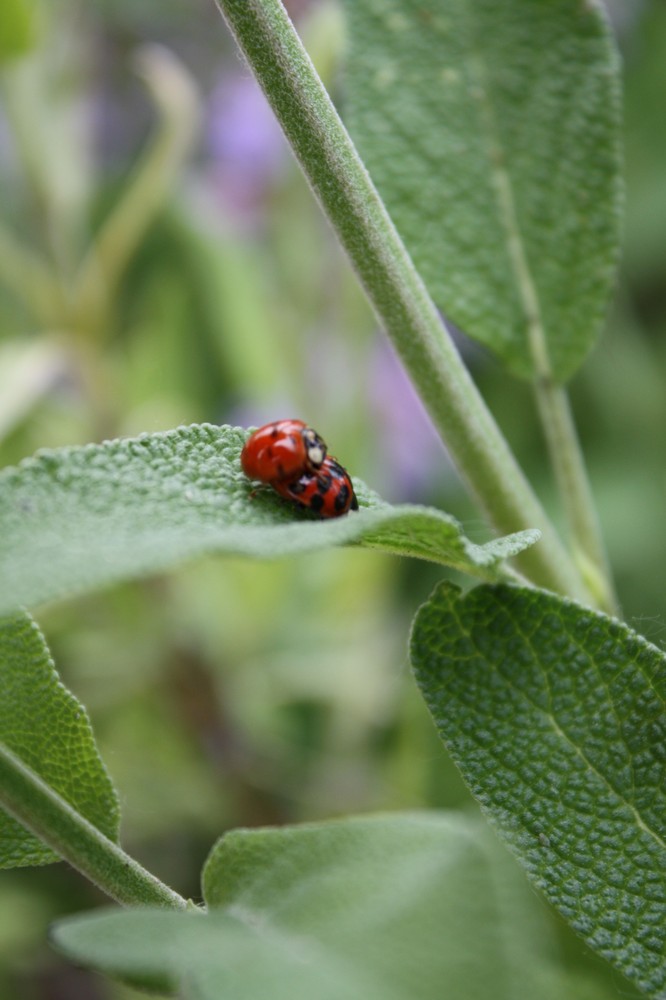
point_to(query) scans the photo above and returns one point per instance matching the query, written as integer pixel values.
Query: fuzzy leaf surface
(556, 717)
(75, 519)
(372, 908)
(492, 133)
(45, 726)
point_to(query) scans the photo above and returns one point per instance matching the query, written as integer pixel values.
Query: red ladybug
(328, 491)
(282, 451)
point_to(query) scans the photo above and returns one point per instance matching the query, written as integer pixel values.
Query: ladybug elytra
(281, 451)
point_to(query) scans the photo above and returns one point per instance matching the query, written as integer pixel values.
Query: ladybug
(282, 451)
(328, 491)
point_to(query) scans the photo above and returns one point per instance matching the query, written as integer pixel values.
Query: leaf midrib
(562, 734)
(508, 218)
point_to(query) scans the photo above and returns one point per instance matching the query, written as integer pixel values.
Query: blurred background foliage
(161, 262)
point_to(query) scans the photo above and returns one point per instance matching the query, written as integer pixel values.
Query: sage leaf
(74, 519)
(555, 716)
(492, 133)
(371, 908)
(46, 728)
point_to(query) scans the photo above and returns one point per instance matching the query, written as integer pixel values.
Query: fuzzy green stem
(349, 199)
(574, 488)
(36, 806)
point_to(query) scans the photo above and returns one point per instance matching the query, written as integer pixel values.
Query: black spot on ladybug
(341, 499)
(323, 484)
(316, 502)
(275, 432)
(297, 487)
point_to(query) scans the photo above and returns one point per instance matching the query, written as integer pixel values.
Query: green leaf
(79, 518)
(376, 908)
(555, 715)
(492, 132)
(17, 27)
(47, 729)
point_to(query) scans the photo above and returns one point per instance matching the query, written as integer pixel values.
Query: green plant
(492, 132)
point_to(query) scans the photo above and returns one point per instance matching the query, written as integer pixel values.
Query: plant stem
(177, 101)
(36, 806)
(574, 487)
(394, 287)
(32, 280)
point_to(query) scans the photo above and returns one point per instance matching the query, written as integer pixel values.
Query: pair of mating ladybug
(292, 458)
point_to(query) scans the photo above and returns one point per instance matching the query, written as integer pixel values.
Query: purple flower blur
(414, 461)
(246, 146)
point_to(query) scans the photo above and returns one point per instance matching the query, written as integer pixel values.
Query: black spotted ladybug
(327, 492)
(292, 458)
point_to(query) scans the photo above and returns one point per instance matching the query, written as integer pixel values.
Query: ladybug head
(315, 447)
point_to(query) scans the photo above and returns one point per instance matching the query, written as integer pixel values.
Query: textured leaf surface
(379, 908)
(556, 717)
(79, 518)
(491, 130)
(44, 725)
